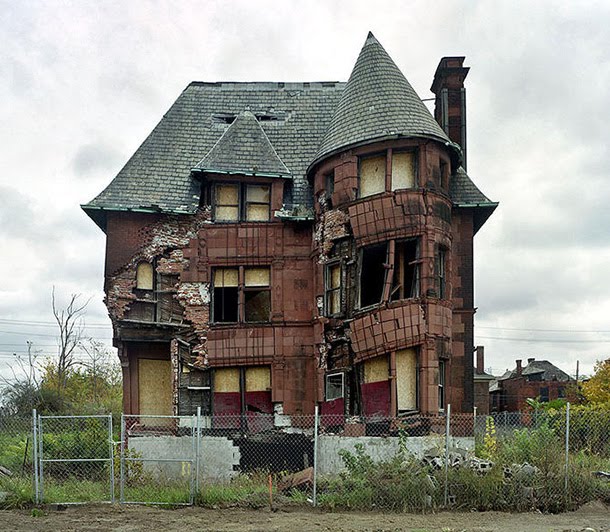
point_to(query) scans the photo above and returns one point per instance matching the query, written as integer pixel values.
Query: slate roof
(244, 149)
(378, 102)
(202, 126)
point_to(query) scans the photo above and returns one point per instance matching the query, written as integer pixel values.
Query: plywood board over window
(144, 276)
(376, 369)
(403, 170)
(406, 379)
(227, 203)
(258, 379)
(226, 380)
(155, 387)
(372, 175)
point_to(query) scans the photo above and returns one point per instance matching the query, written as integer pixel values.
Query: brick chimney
(519, 368)
(530, 360)
(480, 359)
(450, 103)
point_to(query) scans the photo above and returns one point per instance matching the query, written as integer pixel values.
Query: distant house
(482, 380)
(539, 379)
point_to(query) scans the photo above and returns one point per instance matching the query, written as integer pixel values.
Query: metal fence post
(122, 460)
(315, 457)
(567, 450)
(198, 450)
(40, 458)
(111, 452)
(35, 455)
(447, 432)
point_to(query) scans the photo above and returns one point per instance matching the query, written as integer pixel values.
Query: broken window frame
(388, 288)
(243, 201)
(153, 295)
(400, 269)
(243, 292)
(331, 291)
(327, 387)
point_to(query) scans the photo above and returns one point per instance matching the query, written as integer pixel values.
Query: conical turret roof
(244, 148)
(378, 102)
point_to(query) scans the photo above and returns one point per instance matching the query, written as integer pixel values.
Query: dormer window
(241, 202)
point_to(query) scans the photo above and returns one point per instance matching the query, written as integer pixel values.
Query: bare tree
(70, 323)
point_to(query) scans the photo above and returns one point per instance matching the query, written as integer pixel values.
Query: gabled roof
(378, 102)
(244, 148)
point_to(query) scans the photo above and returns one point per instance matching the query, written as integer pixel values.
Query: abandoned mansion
(273, 246)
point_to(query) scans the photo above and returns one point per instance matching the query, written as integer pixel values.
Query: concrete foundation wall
(219, 459)
(380, 449)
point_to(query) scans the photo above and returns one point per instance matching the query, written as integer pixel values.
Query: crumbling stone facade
(275, 246)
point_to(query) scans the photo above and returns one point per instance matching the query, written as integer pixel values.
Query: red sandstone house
(539, 379)
(271, 246)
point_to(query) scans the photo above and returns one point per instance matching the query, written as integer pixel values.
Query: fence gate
(159, 459)
(75, 459)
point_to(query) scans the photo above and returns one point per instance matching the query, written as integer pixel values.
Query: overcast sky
(83, 83)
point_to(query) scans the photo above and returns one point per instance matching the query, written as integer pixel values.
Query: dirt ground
(594, 516)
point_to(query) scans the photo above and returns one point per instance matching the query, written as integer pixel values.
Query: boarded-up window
(257, 203)
(144, 276)
(403, 170)
(333, 289)
(226, 380)
(257, 295)
(226, 295)
(376, 369)
(406, 379)
(235, 202)
(372, 175)
(226, 206)
(258, 379)
(406, 280)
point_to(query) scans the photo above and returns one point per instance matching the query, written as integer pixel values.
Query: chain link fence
(547, 460)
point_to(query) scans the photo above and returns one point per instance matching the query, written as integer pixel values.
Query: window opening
(372, 274)
(372, 175)
(333, 289)
(335, 386)
(226, 295)
(257, 295)
(329, 186)
(406, 280)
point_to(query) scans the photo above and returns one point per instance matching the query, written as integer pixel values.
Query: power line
(49, 323)
(541, 330)
(543, 340)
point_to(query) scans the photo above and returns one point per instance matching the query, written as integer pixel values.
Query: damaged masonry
(272, 246)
